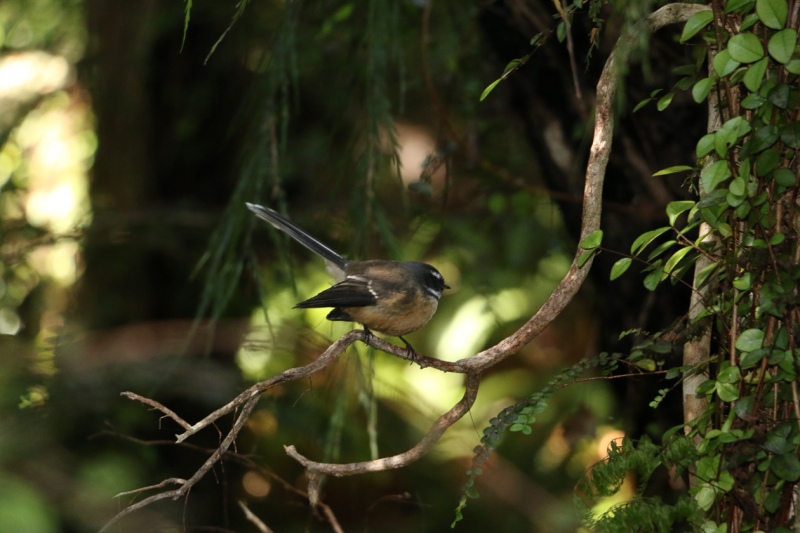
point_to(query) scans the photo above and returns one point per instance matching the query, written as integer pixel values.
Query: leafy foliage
(740, 237)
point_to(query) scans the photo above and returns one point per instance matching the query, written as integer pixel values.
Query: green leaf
(593, 240)
(727, 392)
(713, 175)
(701, 89)
(751, 359)
(705, 274)
(745, 48)
(652, 280)
(705, 145)
(643, 240)
(767, 161)
(584, 257)
(793, 66)
(755, 74)
(738, 5)
(744, 282)
(664, 101)
(748, 21)
(779, 96)
(786, 466)
(705, 497)
(730, 374)
(724, 64)
(784, 177)
(672, 170)
(642, 104)
(674, 209)
(772, 13)
(695, 24)
(488, 89)
(660, 249)
(782, 44)
(753, 101)
(620, 267)
(676, 258)
(749, 340)
(790, 135)
(737, 186)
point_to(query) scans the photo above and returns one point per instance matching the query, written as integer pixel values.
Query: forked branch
(472, 367)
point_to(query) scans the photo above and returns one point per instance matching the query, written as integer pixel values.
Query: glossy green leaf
(674, 209)
(620, 267)
(727, 392)
(696, 23)
(660, 249)
(652, 280)
(730, 374)
(755, 74)
(673, 261)
(701, 89)
(793, 66)
(672, 170)
(489, 89)
(745, 48)
(724, 64)
(749, 340)
(643, 240)
(664, 101)
(782, 44)
(585, 256)
(772, 13)
(593, 240)
(705, 145)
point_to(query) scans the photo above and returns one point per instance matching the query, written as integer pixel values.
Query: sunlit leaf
(672, 170)
(488, 89)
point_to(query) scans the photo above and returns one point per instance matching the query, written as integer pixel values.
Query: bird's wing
(354, 291)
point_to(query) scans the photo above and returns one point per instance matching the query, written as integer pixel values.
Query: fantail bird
(390, 297)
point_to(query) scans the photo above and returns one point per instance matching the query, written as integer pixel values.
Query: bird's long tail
(283, 224)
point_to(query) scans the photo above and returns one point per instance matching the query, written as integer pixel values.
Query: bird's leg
(412, 354)
(367, 335)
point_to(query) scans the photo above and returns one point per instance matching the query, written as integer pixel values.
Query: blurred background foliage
(129, 146)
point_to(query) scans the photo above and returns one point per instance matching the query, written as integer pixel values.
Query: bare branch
(472, 367)
(159, 407)
(403, 459)
(260, 525)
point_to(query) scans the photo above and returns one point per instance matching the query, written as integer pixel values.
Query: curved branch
(592, 194)
(473, 366)
(402, 459)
